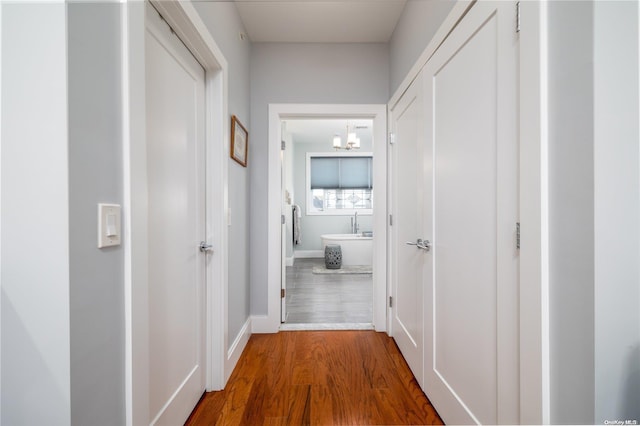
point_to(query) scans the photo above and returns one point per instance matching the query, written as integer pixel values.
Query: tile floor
(328, 299)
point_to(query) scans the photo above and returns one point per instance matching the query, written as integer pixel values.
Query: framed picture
(239, 141)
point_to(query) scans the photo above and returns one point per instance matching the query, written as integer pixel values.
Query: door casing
(270, 323)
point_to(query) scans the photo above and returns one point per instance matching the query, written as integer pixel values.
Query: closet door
(408, 194)
(175, 91)
(471, 293)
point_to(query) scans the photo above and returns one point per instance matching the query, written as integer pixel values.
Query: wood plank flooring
(317, 298)
(318, 378)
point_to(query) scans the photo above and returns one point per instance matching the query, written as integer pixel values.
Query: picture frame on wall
(239, 141)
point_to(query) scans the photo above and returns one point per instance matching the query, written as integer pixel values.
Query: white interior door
(471, 357)
(175, 106)
(408, 260)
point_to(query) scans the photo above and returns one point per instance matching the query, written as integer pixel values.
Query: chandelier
(353, 142)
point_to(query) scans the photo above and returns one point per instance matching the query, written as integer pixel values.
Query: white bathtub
(356, 249)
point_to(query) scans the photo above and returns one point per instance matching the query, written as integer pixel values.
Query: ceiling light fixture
(353, 141)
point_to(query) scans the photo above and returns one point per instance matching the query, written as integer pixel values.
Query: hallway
(506, 168)
(318, 378)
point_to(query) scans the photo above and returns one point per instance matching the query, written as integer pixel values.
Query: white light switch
(111, 225)
(109, 229)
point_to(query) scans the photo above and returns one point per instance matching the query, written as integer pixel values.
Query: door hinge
(282, 219)
(518, 235)
(282, 293)
(518, 17)
(390, 220)
(392, 138)
(283, 145)
(391, 301)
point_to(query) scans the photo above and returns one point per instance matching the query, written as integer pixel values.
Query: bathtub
(356, 249)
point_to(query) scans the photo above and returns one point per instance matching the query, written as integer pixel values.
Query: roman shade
(340, 173)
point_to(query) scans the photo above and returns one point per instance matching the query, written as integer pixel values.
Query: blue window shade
(341, 173)
(325, 173)
(355, 173)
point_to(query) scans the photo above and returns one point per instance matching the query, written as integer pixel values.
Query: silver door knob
(204, 247)
(421, 244)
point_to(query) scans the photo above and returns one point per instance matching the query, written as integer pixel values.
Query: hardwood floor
(318, 378)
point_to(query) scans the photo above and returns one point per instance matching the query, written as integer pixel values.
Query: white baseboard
(264, 324)
(305, 254)
(236, 348)
(289, 261)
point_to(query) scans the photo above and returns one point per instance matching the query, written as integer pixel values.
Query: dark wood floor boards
(318, 378)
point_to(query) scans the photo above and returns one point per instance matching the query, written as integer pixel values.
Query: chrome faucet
(354, 224)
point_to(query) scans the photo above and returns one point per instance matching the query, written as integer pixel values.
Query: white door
(471, 327)
(176, 189)
(407, 258)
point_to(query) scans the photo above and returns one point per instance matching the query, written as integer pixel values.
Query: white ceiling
(323, 130)
(320, 21)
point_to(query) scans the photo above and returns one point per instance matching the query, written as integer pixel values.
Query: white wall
(594, 208)
(417, 25)
(224, 24)
(313, 226)
(300, 73)
(95, 175)
(35, 216)
(571, 239)
(617, 211)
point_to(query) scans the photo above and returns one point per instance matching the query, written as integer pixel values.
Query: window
(339, 183)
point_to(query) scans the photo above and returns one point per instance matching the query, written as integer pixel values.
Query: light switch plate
(109, 227)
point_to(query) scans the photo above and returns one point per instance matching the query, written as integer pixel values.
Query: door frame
(285, 222)
(188, 25)
(270, 323)
(535, 397)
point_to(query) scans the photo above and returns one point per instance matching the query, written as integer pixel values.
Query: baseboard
(263, 324)
(178, 399)
(289, 261)
(306, 254)
(236, 348)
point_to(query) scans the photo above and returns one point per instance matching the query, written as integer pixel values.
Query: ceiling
(323, 130)
(320, 21)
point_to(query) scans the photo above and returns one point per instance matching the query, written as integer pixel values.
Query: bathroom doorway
(327, 200)
(271, 322)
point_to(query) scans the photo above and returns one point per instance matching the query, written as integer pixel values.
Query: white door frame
(534, 253)
(188, 25)
(270, 323)
(535, 397)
